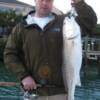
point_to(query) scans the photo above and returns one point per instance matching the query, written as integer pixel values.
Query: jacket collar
(28, 20)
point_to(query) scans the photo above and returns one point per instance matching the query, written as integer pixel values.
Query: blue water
(9, 93)
(90, 89)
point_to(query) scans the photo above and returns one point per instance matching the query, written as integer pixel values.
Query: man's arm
(86, 18)
(12, 54)
(14, 62)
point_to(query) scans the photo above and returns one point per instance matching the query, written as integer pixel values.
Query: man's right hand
(29, 83)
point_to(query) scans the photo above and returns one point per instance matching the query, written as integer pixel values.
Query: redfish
(72, 55)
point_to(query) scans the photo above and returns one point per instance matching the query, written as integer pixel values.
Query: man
(34, 49)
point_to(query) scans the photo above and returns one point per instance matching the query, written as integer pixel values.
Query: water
(9, 93)
(90, 89)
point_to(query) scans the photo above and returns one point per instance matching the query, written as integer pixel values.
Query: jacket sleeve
(86, 18)
(12, 54)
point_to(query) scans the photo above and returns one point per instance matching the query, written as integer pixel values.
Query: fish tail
(79, 82)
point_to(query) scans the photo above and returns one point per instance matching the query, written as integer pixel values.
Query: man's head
(43, 7)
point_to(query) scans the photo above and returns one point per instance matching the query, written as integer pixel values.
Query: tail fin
(78, 82)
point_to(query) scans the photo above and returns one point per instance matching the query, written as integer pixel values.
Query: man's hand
(75, 1)
(29, 83)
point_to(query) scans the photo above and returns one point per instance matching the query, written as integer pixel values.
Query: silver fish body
(72, 55)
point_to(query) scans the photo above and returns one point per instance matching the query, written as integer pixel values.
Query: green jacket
(31, 51)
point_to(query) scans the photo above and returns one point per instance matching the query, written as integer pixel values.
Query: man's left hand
(76, 1)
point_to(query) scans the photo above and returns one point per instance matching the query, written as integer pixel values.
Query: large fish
(72, 55)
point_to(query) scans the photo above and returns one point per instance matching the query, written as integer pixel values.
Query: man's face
(43, 7)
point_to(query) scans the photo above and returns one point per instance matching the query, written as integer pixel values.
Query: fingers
(75, 1)
(29, 84)
(28, 87)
